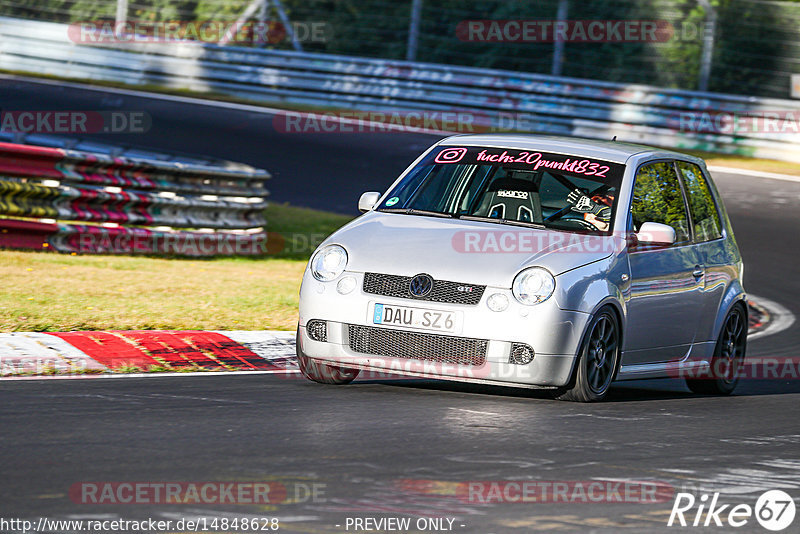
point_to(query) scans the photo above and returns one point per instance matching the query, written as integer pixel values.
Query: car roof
(606, 150)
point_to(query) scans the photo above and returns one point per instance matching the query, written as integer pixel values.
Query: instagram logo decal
(450, 155)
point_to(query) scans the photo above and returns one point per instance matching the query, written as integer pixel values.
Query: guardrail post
(558, 44)
(413, 30)
(287, 25)
(121, 16)
(249, 11)
(708, 44)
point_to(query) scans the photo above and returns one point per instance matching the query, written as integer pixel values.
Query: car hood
(463, 251)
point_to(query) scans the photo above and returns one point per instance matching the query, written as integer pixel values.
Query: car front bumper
(553, 334)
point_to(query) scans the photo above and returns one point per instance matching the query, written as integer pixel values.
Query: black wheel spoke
(739, 329)
(594, 377)
(609, 335)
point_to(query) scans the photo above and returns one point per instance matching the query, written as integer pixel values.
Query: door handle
(698, 271)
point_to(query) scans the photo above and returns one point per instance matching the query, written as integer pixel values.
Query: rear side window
(657, 197)
(705, 216)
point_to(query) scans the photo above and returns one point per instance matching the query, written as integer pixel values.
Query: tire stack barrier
(71, 201)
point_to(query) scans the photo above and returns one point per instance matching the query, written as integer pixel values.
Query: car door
(709, 245)
(664, 301)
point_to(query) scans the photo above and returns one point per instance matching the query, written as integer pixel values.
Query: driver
(596, 210)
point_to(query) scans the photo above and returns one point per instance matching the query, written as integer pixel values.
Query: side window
(704, 213)
(657, 197)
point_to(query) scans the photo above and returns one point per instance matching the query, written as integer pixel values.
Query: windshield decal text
(575, 166)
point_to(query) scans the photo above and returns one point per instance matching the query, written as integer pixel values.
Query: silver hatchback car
(532, 261)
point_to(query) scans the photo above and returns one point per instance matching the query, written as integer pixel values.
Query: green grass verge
(301, 229)
(60, 292)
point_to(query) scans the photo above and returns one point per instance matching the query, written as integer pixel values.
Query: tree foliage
(755, 49)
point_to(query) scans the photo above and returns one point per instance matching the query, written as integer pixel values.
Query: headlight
(328, 263)
(533, 286)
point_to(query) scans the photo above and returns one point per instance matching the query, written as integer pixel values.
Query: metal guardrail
(496, 99)
(133, 205)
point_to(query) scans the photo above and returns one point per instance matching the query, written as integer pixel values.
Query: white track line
(755, 174)
(149, 375)
(780, 317)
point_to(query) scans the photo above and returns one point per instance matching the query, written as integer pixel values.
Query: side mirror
(368, 201)
(652, 233)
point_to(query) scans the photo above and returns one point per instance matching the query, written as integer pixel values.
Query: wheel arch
(734, 296)
(617, 310)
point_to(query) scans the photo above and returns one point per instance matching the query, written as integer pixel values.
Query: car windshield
(508, 186)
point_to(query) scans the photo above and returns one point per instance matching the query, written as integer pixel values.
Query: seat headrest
(511, 184)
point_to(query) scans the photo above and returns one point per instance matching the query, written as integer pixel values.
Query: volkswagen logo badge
(421, 286)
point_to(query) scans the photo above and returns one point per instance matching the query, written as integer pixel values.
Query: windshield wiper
(414, 211)
(503, 221)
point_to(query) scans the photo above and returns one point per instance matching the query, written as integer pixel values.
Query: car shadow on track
(632, 391)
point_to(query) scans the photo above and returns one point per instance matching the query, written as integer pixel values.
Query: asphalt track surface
(369, 442)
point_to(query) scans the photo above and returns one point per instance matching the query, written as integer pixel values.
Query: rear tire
(598, 360)
(321, 372)
(728, 357)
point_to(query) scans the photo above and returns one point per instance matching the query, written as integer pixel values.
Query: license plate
(410, 317)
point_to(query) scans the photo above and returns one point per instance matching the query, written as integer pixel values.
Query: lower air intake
(417, 346)
(317, 330)
(521, 354)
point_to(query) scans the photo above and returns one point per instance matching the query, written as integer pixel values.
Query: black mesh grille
(317, 330)
(417, 346)
(521, 354)
(390, 285)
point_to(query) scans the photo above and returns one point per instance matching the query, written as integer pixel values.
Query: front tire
(598, 360)
(322, 372)
(728, 357)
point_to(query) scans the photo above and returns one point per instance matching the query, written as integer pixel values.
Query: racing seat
(513, 199)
